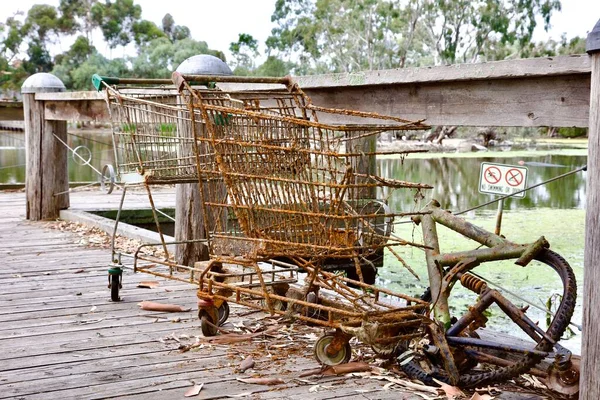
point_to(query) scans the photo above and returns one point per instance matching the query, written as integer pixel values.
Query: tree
(116, 20)
(160, 57)
(173, 31)
(244, 51)
(12, 39)
(462, 30)
(354, 35)
(145, 31)
(273, 66)
(76, 17)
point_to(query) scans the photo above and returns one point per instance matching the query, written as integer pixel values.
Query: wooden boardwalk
(62, 338)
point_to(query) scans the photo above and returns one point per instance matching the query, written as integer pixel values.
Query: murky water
(12, 156)
(555, 210)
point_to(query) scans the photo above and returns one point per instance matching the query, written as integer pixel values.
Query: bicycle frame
(461, 262)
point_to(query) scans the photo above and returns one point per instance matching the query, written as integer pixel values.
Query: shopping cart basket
(281, 194)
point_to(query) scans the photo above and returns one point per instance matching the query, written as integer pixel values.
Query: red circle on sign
(514, 177)
(492, 175)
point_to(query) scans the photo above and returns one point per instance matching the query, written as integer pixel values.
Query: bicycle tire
(555, 330)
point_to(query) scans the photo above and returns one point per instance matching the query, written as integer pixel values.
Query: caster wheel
(207, 323)
(114, 283)
(223, 313)
(341, 357)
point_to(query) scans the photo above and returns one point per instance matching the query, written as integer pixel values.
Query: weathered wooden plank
(77, 110)
(539, 101)
(522, 68)
(590, 342)
(46, 170)
(90, 348)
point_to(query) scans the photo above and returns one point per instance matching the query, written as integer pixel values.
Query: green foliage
(167, 129)
(354, 35)
(129, 128)
(116, 20)
(572, 132)
(145, 31)
(160, 57)
(273, 66)
(245, 50)
(173, 31)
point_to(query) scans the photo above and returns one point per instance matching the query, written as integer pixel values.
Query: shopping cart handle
(97, 81)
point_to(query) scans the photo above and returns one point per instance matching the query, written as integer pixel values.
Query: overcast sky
(218, 22)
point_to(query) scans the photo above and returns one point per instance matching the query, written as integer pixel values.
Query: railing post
(46, 172)
(590, 347)
(189, 218)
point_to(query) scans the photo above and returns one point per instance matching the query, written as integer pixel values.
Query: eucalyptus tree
(354, 35)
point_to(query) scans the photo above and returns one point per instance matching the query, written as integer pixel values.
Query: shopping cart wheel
(342, 356)
(208, 323)
(114, 283)
(223, 312)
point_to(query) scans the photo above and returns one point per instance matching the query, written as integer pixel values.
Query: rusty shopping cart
(282, 198)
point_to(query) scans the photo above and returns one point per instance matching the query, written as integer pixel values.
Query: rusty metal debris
(286, 189)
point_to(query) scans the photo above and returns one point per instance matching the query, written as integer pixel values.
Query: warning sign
(502, 179)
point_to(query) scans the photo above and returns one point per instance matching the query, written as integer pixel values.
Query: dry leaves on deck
(194, 390)
(246, 364)
(262, 381)
(148, 284)
(451, 392)
(153, 306)
(341, 369)
(230, 338)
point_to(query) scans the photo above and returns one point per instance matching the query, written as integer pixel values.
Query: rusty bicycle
(455, 345)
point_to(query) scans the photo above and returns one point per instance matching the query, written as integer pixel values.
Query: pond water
(555, 210)
(12, 156)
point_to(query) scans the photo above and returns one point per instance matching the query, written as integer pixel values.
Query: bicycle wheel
(426, 369)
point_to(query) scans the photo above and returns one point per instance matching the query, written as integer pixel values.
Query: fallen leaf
(244, 394)
(148, 284)
(350, 367)
(194, 390)
(451, 392)
(230, 338)
(477, 396)
(407, 384)
(247, 364)
(152, 306)
(261, 381)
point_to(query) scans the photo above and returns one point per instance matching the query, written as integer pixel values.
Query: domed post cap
(42, 82)
(592, 44)
(204, 64)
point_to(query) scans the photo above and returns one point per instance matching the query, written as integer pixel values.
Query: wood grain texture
(46, 159)
(590, 343)
(529, 102)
